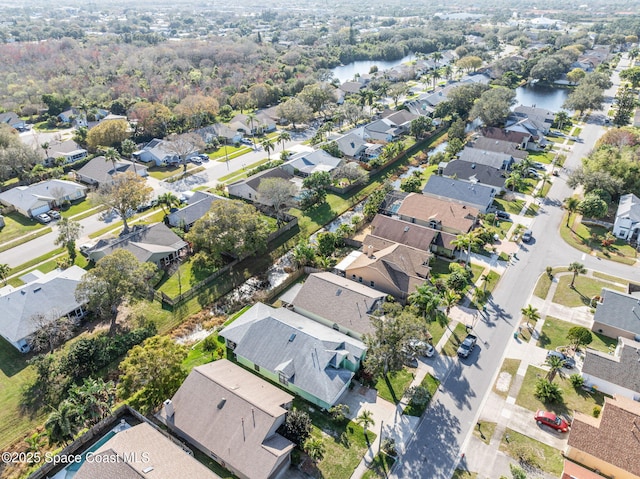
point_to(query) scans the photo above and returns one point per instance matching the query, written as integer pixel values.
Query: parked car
(203, 157)
(246, 141)
(569, 363)
(467, 345)
(421, 347)
(533, 173)
(550, 419)
(196, 160)
(537, 165)
(55, 215)
(527, 236)
(503, 215)
(43, 218)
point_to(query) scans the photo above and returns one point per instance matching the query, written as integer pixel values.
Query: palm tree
(561, 119)
(426, 300)
(467, 240)
(571, 205)
(315, 449)
(45, 147)
(485, 282)
(545, 177)
(449, 299)
(555, 364)
(448, 71)
(576, 268)
(514, 180)
(436, 57)
(268, 147)
(283, 137)
(61, 424)
(251, 118)
(531, 314)
(110, 154)
(4, 272)
(435, 76)
(168, 200)
(365, 419)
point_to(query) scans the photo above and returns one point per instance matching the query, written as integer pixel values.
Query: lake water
(541, 97)
(347, 72)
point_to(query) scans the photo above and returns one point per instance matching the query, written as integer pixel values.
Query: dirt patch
(503, 382)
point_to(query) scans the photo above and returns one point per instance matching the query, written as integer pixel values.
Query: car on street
(568, 362)
(503, 215)
(43, 218)
(54, 215)
(527, 236)
(547, 418)
(467, 345)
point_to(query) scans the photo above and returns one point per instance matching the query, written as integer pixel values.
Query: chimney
(168, 408)
(370, 251)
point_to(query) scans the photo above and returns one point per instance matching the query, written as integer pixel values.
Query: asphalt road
(439, 441)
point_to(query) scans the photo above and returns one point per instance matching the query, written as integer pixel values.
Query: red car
(551, 420)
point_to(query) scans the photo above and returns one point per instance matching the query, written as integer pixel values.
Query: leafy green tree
(592, 206)
(93, 400)
(576, 268)
(278, 193)
(412, 184)
(124, 193)
(108, 133)
(56, 104)
(128, 147)
(5, 270)
(575, 75)
(230, 227)
(327, 242)
(516, 471)
(318, 182)
(297, 426)
(494, 105)
(152, 371)
(295, 111)
(547, 392)
(68, 233)
(457, 130)
(419, 126)
(586, 96)
(385, 343)
(304, 253)
(463, 97)
(632, 75)
(114, 280)
(579, 336)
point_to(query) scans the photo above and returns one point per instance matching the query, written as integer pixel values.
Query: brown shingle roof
(614, 437)
(399, 231)
(452, 215)
(232, 413)
(501, 134)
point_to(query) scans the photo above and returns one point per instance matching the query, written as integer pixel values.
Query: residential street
(441, 437)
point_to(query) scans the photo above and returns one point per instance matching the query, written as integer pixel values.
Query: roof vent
(37, 289)
(473, 166)
(292, 337)
(406, 228)
(338, 292)
(222, 403)
(147, 469)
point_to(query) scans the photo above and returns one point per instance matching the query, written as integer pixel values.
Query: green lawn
(541, 156)
(484, 430)
(198, 356)
(19, 226)
(380, 467)
(431, 384)
(509, 366)
(584, 289)
(164, 172)
(532, 209)
(83, 206)
(580, 237)
(146, 217)
(573, 400)
(535, 453)
(462, 474)
(436, 330)
(229, 151)
(554, 334)
(240, 174)
(392, 387)
(514, 207)
(491, 281)
(458, 335)
(612, 279)
(345, 442)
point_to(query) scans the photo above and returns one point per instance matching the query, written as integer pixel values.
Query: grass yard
(436, 330)
(430, 384)
(612, 279)
(584, 289)
(532, 452)
(46, 266)
(514, 207)
(79, 207)
(19, 226)
(580, 237)
(198, 356)
(229, 151)
(392, 387)
(147, 217)
(345, 442)
(381, 467)
(462, 474)
(541, 156)
(554, 334)
(484, 430)
(544, 283)
(573, 400)
(164, 172)
(457, 336)
(510, 367)
(532, 209)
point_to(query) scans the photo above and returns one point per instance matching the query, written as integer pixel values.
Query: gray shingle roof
(338, 300)
(351, 144)
(54, 291)
(483, 174)
(487, 158)
(499, 146)
(629, 207)
(100, 170)
(199, 204)
(619, 310)
(232, 413)
(622, 369)
(308, 162)
(254, 181)
(281, 340)
(478, 196)
(28, 197)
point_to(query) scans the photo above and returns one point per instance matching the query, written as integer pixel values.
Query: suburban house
(43, 298)
(608, 443)
(220, 132)
(439, 214)
(396, 270)
(475, 172)
(617, 374)
(400, 119)
(157, 453)
(499, 161)
(386, 231)
(307, 162)
(627, 222)
(500, 146)
(13, 120)
(248, 187)
(352, 87)
(571, 470)
(352, 145)
(232, 416)
(522, 139)
(541, 118)
(336, 302)
(381, 130)
(156, 244)
(198, 205)
(40, 197)
(306, 357)
(617, 315)
(260, 124)
(99, 170)
(156, 152)
(467, 193)
(69, 150)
